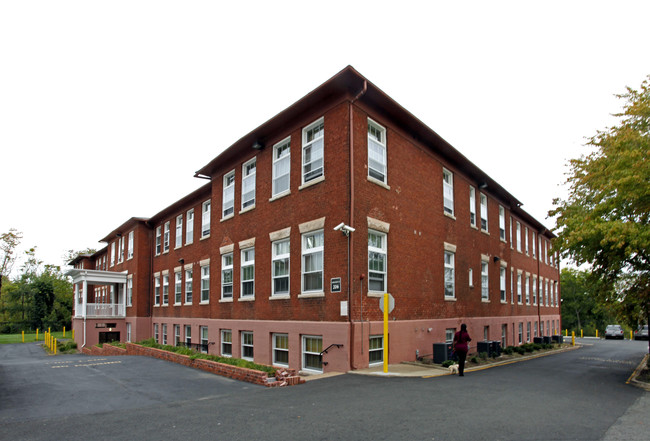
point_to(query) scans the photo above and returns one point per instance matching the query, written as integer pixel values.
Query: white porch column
(85, 298)
(76, 300)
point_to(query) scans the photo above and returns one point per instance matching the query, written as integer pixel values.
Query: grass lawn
(29, 338)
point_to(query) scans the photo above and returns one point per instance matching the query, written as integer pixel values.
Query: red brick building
(304, 223)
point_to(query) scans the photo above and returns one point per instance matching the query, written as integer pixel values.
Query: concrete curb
(633, 378)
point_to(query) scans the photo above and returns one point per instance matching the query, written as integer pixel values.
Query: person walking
(461, 347)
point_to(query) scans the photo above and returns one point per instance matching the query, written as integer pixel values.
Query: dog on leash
(453, 369)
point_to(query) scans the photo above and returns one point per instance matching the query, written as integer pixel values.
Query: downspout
(351, 223)
(539, 291)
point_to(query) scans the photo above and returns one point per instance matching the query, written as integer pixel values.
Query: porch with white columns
(117, 306)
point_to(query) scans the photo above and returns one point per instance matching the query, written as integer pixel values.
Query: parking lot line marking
(86, 364)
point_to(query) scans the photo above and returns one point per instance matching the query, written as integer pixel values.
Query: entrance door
(107, 337)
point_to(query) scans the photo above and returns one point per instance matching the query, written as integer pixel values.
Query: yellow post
(73, 334)
(596, 333)
(581, 335)
(386, 333)
(49, 331)
(631, 335)
(566, 332)
(36, 334)
(573, 338)
(55, 346)
(64, 332)
(23, 336)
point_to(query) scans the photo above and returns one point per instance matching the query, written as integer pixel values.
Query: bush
(447, 363)
(483, 355)
(69, 346)
(520, 350)
(474, 359)
(508, 350)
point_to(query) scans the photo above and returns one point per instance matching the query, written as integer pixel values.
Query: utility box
(484, 346)
(441, 352)
(547, 339)
(495, 348)
(558, 339)
(538, 340)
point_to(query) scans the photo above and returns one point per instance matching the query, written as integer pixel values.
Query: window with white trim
(205, 283)
(312, 151)
(450, 278)
(188, 335)
(541, 327)
(189, 227)
(377, 259)
(504, 333)
(472, 206)
(484, 212)
(511, 239)
(528, 332)
(526, 240)
(512, 286)
(376, 151)
(226, 343)
(519, 293)
(281, 166)
(376, 350)
(471, 277)
(485, 288)
(228, 200)
(165, 290)
(156, 290)
(248, 272)
(113, 254)
(129, 292)
(158, 240)
(178, 242)
(188, 286)
(204, 339)
(312, 261)
(448, 191)
(248, 184)
(312, 359)
(449, 335)
(164, 333)
(205, 218)
(178, 288)
(177, 335)
(128, 332)
(156, 332)
(247, 347)
(280, 267)
(131, 245)
(121, 248)
(534, 290)
(502, 283)
(527, 289)
(226, 276)
(281, 349)
(521, 332)
(166, 237)
(502, 223)
(518, 236)
(533, 244)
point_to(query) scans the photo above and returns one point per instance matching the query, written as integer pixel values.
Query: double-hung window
(377, 258)
(519, 288)
(527, 289)
(188, 335)
(502, 223)
(533, 244)
(502, 283)
(166, 237)
(204, 339)
(178, 287)
(485, 291)
(177, 335)
(189, 227)
(534, 290)
(248, 184)
(312, 358)
(228, 203)
(226, 276)
(312, 261)
(281, 166)
(179, 231)
(313, 143)
(205, 218)
(188, 286)
(518, 236)
(158, 240)
(526, 240)
(165, 290)
(376, 350)
(484, 212)
(113, 253)
(130, 247)
(247, 345)
(281, 349)
(376, 151)
(248, 272)
(164, 333)
(129, 291)
(472, 206)
(226, 343)
(280, 265)
(205, 283)
(449, 275)
(156, 290)
(448, 191)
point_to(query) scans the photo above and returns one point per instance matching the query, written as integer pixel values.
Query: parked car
(614, 331)
(641, 333)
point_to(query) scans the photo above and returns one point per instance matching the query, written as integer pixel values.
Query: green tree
(604, 220)
(8, 243)
(580, 310)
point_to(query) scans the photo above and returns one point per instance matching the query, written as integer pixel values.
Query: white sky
(108, 108)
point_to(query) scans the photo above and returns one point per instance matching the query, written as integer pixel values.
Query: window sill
(189, 243)
(178, 304)
(129, 306)
(280, 195)
(280, 297)
(378, 182)
(156, 306)
(451, 299)
(312, 182)
(375, 294)
(247, 209)
(502, 239)
(504, 302)
(485, 232)
(178, 247)
(225, 218)
(449, 215)
(207, 236)
(188, 303)
(473, 227)
(204, 302)
(129, 258)
(166, 252)
(165, 304)
(246, 299)
(485, 300)
(229, 300)
(308, 295)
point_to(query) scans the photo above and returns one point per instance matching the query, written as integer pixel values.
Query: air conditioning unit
(441, 352)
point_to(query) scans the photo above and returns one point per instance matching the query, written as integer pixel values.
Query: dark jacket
(461, 338)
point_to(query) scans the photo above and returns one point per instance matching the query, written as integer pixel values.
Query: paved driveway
(579, 394)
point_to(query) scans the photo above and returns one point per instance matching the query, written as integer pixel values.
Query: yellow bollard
(36, 334)
(581, 334)
(23, 336)
(566, 332)
(73, 334)
(631, 335)
(596, 333)
(55, 346)
(64, 332)
(573, 338)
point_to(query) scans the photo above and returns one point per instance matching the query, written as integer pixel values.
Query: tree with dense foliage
(580, 310)
(604, 220)
(8, 243)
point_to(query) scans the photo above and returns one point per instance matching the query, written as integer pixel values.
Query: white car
(614, 331)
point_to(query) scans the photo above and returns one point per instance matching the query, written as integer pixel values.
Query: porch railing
(101, 310)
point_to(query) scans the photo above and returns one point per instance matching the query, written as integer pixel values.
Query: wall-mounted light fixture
(258, 145)
(496, 258)
(482, 185)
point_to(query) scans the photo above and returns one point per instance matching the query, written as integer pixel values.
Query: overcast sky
(108, 108)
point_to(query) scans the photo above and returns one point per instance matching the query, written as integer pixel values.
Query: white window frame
(534, 248)
(375, 274)
(177, 335)
(206, 208)
(314, 250)
(484, 212)
(178, 287)
(188, 335)
(284, 260)
(283, 339)
(376, 350)
(312, 352)
(178, 241)
(166, 238)
(130, 249)
(248, 179)
(165, 289)
(448, 192)
(129, 291)
(485, 281)
(226, 342)
(526, 249)
(156, 332)
(189, 276)
(502, 223)
(449, 258)
(502, 284)
(156, 290)
(281, 161)
(376, 148)
(315, 146)
(228, 195)
(158, 240)
(205, 284)
(247, 261)
(112, 254)
(189, 227)
(246, 344)
(518, 236)
(164, 333)
(534, 290)
(128, 332)
(227, 268)
(203, 334)
(519, 289)
(472, 206)
(527, 282)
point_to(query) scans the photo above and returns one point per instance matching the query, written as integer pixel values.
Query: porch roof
(96, 276)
